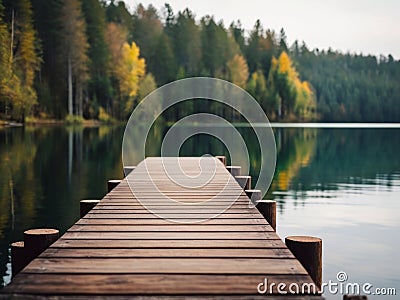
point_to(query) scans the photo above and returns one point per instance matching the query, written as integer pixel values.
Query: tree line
(97, 59)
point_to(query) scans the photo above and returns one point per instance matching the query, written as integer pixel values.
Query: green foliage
(257, 87)
(187, 43)
(99, 86)
(146, 32)
(74, 120)
(295, 99)
(238, 71)
(164, 66)
(147, 85)
(352, 88)
(104, 117)
(93, 57)
(217, 46)
(75, 54)
(19, 61)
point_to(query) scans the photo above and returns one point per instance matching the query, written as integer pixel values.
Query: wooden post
(244, 182)
(234, 170)
(111, 184)
(254, 195)
(38, 240)
(128, 170)
(222, 159)
(308, 250)
(268, 209)
(19, 259)
(86, 206)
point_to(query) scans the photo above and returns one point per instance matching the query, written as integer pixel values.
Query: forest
(89, 59)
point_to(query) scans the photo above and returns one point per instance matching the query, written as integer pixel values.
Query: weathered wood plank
(274, 253)
(147, 284)
(171, 228)
(220, 248)
(165, 244)
(170, 235)
(160, 221)
(156, 265)
(149, 215)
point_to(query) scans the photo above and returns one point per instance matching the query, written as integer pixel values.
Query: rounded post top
(90, 201)
(18, 244)
(252, 191)
(41, 231)
(266, 201)
(304, 239)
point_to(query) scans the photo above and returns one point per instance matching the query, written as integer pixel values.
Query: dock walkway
(120, 249)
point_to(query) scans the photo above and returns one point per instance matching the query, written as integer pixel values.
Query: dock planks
(121, 250)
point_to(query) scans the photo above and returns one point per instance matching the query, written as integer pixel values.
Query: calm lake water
(341, 184)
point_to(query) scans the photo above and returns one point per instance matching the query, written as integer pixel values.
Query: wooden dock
(121, 250)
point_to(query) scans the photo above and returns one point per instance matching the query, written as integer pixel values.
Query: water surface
(341, 183)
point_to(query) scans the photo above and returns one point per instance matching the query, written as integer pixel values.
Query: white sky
(367, 26)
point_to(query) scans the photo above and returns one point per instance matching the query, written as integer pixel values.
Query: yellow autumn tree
(129, 70)
(305, 106)
(19, 61)
(238, 71)
(295, 98)
(126, 66)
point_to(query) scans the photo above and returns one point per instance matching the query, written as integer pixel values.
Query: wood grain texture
(216, 246)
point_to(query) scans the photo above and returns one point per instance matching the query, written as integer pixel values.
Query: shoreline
(53, 122)
(95, 123)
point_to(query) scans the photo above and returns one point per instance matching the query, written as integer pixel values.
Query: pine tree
(100, 89)
(147, 29)
(75, 49)
(51, 83)
(164, 61)
(27, 59)
(5, 63)
(187, 42)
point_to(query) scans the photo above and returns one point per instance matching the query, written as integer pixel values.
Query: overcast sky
(368, 26)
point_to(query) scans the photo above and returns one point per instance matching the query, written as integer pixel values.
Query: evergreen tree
(23, 61)
(100, 89)
(147, 30)
(187, 42)
(27, 59)
(5, 64)
(75, 49)
(51, 83)
(164, 65)
(253, 48)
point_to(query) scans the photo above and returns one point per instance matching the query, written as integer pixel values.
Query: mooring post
(254, 195)
(19, 259)
(128, 170)
(308, 250)
(222, 159)
(244, 182)
(234, 170)
(86, 206)
(35, 242)
(268, 209)
(111, 184)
